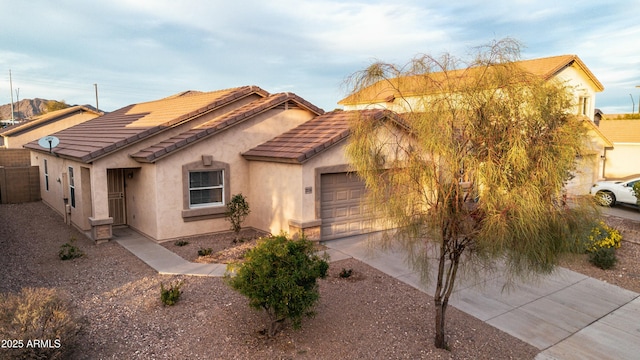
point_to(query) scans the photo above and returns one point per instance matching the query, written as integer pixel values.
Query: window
(583, 106)
(72, 188)
(206, 188)
(46, 176)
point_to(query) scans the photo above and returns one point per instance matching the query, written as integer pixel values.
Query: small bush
(636, 191)
(346, 273)
(604, 258)
(237, 211)
(602, 237)
(181, 243)
(38, 314)
(601, 245)
(279, 276)
(169, 296)
(205, 252)
(69, 250)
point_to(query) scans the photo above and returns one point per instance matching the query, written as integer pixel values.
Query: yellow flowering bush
(603, 236)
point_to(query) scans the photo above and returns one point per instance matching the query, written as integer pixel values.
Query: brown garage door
(342, 210)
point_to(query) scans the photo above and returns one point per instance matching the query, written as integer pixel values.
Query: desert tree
(476, 172)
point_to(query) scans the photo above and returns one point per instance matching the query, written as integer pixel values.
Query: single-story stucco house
(166, 168)
(397, 94)
(15, 136)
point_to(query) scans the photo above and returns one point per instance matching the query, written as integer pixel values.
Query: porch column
(101, 222)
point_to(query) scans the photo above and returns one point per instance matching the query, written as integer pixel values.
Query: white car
(610, 192)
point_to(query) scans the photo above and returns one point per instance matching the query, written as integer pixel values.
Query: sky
(134, 51)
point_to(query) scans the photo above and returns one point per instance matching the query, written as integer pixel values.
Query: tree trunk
(440, 341)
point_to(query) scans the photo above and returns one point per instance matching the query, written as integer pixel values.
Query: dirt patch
(367, 316)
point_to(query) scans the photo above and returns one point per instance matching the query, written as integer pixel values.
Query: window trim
(205, 212)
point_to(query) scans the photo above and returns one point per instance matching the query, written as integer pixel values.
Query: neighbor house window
(46, 175)
(206, 188)
(583, 106)
(72, 188)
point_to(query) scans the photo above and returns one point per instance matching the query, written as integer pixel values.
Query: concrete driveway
(566, 315)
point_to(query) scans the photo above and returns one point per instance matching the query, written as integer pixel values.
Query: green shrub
(205, 252)
(601, 245)
(280, 276)
(604, 258)
(169, 296)
(346, 273)
(38, 314)
(181, 243)
(602, 237)
(237, 211)
(69, 250)
(636, 191)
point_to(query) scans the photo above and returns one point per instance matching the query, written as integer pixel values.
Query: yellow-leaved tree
(480, 170)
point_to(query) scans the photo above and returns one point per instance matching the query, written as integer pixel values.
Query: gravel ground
(369, 315)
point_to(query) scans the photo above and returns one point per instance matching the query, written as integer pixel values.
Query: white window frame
(199, 188)
(46, 175)
(72, 188)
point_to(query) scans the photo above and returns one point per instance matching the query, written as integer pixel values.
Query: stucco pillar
(101, 222)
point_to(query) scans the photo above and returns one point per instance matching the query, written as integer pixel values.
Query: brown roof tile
(120, 128)
(221, 123)
(311, 138)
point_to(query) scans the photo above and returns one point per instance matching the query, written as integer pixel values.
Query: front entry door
(115, 184)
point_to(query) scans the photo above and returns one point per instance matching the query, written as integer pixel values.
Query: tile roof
(221, 123)
(386, 90)
(313, 137)
(47, 118)
(100, 136)
(621, 130)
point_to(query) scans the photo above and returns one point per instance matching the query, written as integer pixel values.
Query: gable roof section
(549, 67)
(300, 144)
(386, 90)
(98, 137)
(621, 130)
(45, 119)
(221, 123)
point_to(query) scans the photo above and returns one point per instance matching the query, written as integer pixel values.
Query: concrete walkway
(566, 315)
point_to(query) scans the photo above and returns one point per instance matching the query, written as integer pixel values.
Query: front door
(115, 184)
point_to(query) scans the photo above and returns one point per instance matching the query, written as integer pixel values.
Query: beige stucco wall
(622, 160)
(16, 141)
(279, 190)
(276, 195)
(58, 169)
(225, 147)
(581, 84)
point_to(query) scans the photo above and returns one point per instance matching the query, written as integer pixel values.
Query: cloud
(138, 50)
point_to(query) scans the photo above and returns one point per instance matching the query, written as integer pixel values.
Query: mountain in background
(28, 108)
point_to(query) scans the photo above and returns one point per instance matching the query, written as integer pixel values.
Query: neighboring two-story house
(400, 94)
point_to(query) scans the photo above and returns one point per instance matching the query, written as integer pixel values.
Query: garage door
(342, 210)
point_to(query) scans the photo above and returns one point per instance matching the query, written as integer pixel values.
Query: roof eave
(273, 159)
